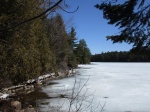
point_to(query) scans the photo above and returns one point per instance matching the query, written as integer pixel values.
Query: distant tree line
(36, 47)
(120, 57)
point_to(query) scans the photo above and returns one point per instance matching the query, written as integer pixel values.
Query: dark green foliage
(25, 53)
(36, 47)
(72, 62)
(132, 18)
(58, 40)
(83, 53)
(120, 57)
(72, 39)
(79, 52)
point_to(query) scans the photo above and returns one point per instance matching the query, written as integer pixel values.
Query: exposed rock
(23, 110)
(1, 94)
(30, 106)
(28, 87)
(30, 110)
(16, 105)
(18, 110)
(39, 83)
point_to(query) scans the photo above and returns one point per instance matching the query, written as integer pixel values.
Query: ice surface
(122, 86)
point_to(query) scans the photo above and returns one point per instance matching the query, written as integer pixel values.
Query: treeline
(120, 57)
(36, 47)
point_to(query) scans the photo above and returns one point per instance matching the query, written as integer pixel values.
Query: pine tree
(58, 41)
(83, 53)
(25, 51)
(72, 41)
(132, 18)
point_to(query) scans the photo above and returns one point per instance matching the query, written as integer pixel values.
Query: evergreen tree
(83, 53)
(22, 48)
(34, 47)
(132, 18)
(58, 40)
(72, 62)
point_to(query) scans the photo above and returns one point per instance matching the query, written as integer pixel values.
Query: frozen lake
(108, 87)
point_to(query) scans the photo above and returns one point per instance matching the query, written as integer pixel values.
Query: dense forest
(120, 57)
(33, 43)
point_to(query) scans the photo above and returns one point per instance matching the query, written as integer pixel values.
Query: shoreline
(27, 94)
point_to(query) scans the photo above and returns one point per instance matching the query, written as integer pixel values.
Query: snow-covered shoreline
(28, 86)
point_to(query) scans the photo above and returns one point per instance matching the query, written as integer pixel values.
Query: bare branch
(102, 107)
(43, 13)
(68, 11)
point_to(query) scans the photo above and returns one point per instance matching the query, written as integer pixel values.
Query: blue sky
(90, 25)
